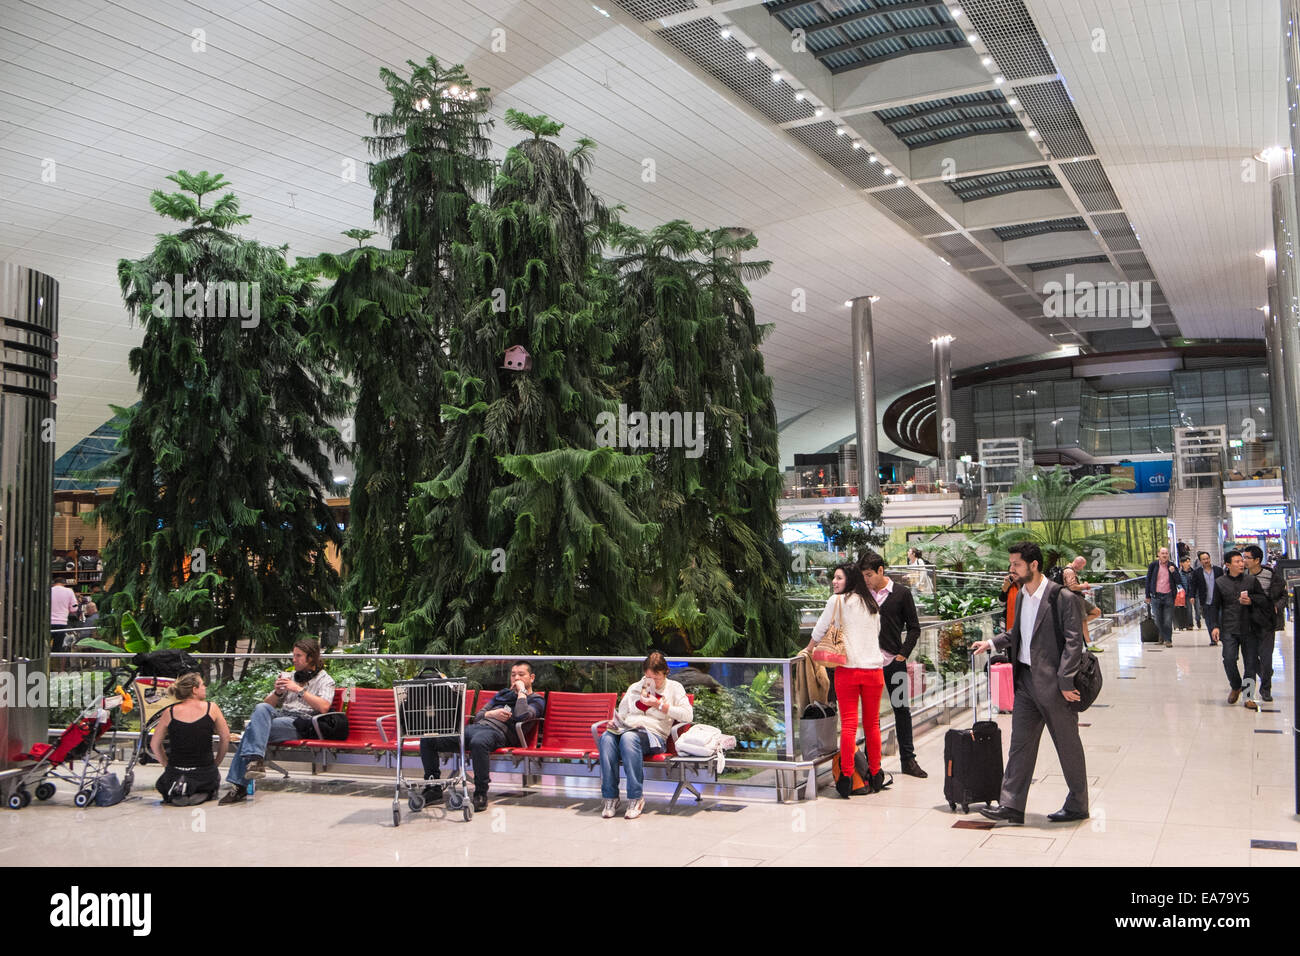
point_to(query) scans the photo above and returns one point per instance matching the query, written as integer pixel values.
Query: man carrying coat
(1044, 667)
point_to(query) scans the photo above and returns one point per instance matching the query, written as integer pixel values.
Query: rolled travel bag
(972, 758)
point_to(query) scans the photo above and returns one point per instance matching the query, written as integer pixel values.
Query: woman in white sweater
(640, 729)
(861, 679)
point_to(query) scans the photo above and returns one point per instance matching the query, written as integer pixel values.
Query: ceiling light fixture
(776, 77)
(888, 171)
(818, 112)
(857, 144)
(799, 97)
(873, 158)
(751, 55)
(956, 11)
(724, 33)
(1033, 134)
(999, 80)
(973, 39)
(1268, 255)
(873, 298)
(602, 12)
(839, 131)
(987, 61)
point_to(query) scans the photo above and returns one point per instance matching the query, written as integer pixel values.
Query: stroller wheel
(415, 802)
(455, 800)
(83, 797)
(468, 811)
(397, 814)
(44, 790)
(15, 801)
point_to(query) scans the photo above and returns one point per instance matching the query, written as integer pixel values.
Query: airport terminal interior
(683, 432)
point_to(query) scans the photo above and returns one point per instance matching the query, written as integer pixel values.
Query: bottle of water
(252, 789)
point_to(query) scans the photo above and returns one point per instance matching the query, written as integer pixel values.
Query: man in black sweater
(1240, 600)
(897, 612)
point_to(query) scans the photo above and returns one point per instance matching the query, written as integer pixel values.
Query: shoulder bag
(831, 651)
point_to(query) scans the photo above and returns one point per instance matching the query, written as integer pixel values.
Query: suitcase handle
(975, 687)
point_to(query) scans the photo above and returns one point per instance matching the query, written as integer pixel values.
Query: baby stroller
(83, 752)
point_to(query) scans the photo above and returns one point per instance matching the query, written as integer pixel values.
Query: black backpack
(169, 662)
(1087, 679)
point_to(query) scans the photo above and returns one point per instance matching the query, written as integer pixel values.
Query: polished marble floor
(1177, 777)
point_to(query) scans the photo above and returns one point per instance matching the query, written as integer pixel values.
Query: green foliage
(136, 641)
(950, 604)
(751, 713)
(227, 450)
(1057, 495)
(688, 346)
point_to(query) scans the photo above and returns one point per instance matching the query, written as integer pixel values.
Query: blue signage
(1151, 476)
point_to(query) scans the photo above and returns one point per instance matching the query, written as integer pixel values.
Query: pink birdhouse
(517, 359)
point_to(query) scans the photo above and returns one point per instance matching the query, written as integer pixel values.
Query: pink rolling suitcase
(1002, 687)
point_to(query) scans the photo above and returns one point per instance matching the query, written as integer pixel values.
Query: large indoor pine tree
(689, 346)
(388, 314)
(220, 515)
(529, 541)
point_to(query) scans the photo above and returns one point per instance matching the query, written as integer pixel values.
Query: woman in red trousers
(861, 679)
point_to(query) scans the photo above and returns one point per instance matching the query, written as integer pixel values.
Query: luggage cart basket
(431, 707)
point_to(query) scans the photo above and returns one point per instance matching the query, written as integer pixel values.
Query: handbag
(819, 731)
(330, 726)
(1181, 599)
(831, 650)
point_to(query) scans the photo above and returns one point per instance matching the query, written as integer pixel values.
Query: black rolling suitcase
(972, 758)
(1150, 630)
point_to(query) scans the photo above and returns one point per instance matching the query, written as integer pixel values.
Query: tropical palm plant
(1057, 495)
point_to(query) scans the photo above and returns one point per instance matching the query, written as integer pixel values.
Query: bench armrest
(379, 725)
(525, 727)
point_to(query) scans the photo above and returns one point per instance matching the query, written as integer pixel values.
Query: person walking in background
(1269, 619)
(1203, 593)
(1237, 592)
(1045, 663)
(63, 602)
(897, 614)
(1080, 589)
(1189, 617)
(861, 679)
(1162, 587)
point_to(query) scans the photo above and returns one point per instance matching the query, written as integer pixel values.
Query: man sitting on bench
(493, 727)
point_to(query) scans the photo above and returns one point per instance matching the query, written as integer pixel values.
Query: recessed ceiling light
(818, 112)
(888, 171)
(724, 33)
(1013, 102)
(751, 55)
(857, 144)
(776, 77)
(973, 38)
(873, 298)
(956, 11)
(1266, 253)
(999, 80)
(839, 131)
(873, 158)
(987, 61)
(799, 97)
(848, 302)
(1033, 134)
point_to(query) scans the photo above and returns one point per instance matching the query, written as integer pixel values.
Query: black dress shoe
(913, 769)
(1067, 816)
(1004, 815)
(480, 801)
(844, 785)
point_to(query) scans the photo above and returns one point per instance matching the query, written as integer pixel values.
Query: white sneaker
(608, 810)
(634, 809)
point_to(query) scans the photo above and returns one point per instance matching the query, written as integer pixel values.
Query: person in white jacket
(640, 728)
(859, 680)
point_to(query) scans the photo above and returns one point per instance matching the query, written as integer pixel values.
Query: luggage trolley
(431, 707)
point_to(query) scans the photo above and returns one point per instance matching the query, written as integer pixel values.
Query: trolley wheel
(44, 790)
(127, 782)
(15, 801)
(397, 814)
(415, 802)
(83, 797)
(455, 800)
(468, 811)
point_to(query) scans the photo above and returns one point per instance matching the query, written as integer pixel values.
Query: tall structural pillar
(944, 425)
(864, 398)
(1284, 435)
(29, 309)
(1281, 181)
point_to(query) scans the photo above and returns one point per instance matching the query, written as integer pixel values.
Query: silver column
(943, 420)
(1285, 439)
(29, 309)
(1281, 176)
(864, 398)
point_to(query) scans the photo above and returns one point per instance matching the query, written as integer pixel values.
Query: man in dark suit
(1241, 601)
(1045, 662)
(897, 612)
(1269, 619)
(1203, 577)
